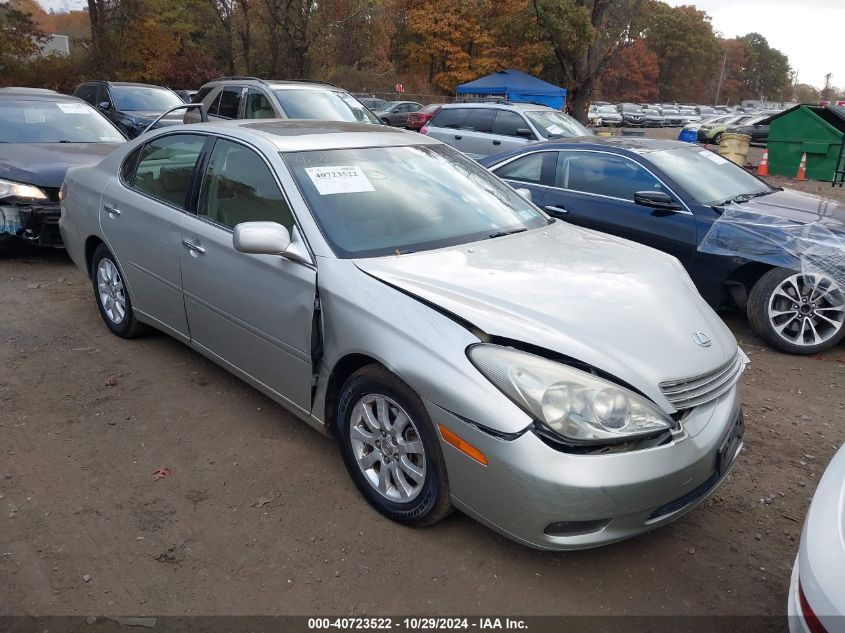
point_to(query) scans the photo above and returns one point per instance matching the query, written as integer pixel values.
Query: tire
(717, 139)
(385, 121)
(376, 389)
(819, 300)
(110, 294)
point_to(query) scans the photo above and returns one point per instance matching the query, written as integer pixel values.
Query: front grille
(692, 392)
(685, 500)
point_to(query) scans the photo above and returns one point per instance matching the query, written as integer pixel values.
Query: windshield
(711, 179)
(50, 122)
(391, 200)
(129, 98)
(323, 105)
(554, 124)
(607, 109)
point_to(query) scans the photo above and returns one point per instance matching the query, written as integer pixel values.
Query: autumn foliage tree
(633, 75)
(637, 50)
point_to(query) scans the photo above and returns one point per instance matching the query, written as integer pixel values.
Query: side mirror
(268, 238)
(656, 200)
(525, 193)
(104, 105)
(261, 238)
(524, 132)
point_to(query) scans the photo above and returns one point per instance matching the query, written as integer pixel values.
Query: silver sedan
(564, 387)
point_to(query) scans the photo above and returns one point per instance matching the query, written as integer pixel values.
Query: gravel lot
(259, 517)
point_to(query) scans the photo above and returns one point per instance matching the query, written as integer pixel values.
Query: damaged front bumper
(35, 223)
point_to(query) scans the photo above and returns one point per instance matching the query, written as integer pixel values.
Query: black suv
(130, 106)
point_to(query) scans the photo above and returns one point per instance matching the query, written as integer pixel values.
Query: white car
(817, 590)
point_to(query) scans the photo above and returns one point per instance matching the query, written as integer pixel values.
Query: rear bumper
(38, 224)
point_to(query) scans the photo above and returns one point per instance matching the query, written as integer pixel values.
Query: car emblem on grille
(701, 339)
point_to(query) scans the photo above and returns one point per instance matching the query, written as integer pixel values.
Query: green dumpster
(817, 131)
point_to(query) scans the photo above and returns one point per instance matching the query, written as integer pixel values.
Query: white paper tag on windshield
(75, 108)
(34, 116)
(339, 179)
(554, 129)
(713, 156)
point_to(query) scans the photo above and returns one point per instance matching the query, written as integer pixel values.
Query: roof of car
(636, 144)
(292, 135)
(35, 95)
(498, 104)
(274, 83)
(124, 83)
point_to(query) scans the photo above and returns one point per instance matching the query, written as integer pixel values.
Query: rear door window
(451, 118)
(537, 168)
(166, 167)
(480, 120)
(230, 100)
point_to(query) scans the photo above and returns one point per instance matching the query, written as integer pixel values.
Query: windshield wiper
(745, 197)
(503, 233)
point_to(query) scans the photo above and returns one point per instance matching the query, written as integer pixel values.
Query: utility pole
(721, 77)
(826, 92)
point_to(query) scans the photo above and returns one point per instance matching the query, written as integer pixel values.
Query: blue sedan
(742, 241)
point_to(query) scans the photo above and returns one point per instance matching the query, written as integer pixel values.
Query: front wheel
(390, 448)
(112, 296)
(799, 313)
(717, 139)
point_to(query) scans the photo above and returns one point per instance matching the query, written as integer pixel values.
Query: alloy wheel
(111, 291)
(387, 448)
(807, 309)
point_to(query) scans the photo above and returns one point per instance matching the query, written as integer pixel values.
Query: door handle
(497, 142)
(193, 246)
(458, 138)
(553, 208)
(111, 210)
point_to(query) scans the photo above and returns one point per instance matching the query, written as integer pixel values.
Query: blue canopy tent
(516, 86)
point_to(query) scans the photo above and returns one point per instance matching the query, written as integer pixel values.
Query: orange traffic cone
(763, 167)
(802, 168)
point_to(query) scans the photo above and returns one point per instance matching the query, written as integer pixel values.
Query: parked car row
(428, 310)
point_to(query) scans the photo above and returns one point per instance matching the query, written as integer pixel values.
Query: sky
(809, 32)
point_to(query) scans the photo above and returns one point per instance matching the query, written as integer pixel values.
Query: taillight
(424, 129)
(810, 618)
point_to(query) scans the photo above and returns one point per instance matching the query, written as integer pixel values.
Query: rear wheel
(390, 448)
(796, 312)
(718, 138)
(112, 296)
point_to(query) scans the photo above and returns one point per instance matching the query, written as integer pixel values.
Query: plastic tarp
(814, 248)
(516, 86)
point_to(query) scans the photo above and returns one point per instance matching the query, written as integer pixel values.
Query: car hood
(45, 164)
(799, 207)
(621, 307)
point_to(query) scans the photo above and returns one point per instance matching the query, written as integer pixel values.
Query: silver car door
(477, 132)
(252, 312)
(141, 215)
(510, 131)
(446, 124)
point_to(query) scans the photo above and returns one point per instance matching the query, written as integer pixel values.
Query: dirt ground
(258, 515)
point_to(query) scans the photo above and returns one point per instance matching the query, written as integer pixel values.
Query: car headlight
(9, 189)
(579, 407)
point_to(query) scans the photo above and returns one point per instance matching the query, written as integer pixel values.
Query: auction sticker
(75, 108)
(339, 179)
(713, 156)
